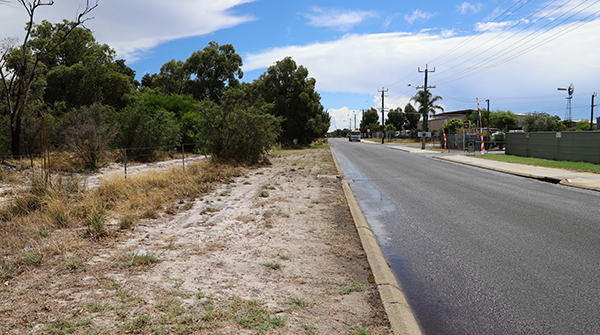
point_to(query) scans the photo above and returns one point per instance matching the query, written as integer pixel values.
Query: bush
(238, 130)
(145, 125)
(87, 135)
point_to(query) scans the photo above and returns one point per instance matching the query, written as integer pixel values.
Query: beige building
(438, 120)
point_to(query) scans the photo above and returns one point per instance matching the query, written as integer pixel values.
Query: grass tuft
(353, 286)
(274, 266)
(129, 259)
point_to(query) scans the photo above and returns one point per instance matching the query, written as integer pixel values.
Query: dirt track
(274, 251)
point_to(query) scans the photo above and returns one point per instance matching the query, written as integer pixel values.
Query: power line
(487, 63)
(472, 37)
(497, 36)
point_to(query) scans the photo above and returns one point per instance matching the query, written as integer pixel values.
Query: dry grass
(54, 217)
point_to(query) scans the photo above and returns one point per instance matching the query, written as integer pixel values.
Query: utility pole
(382, 114)
(592, 117)
(426, 107)
(488, 121)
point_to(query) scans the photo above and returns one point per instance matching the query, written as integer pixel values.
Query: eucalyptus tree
(211, 71)
(19, 67)
(292, 92)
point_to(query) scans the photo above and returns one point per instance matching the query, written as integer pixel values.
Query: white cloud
(365, 63)
(340, 19)
(467, 7)
(496, 26)
(448, 33)
(134, 26)
(418, 15)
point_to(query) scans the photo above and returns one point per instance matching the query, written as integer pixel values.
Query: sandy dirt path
(274, 251)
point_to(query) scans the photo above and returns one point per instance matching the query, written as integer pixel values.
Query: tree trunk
(15, 132)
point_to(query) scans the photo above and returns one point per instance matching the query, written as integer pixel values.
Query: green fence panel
(564, 146)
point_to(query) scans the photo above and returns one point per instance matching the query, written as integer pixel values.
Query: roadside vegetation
(46, 221)
(70, 94)
(567, 165)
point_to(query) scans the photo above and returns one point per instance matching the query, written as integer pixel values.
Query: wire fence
(82, 161)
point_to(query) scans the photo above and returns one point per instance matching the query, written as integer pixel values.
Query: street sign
(427, 134)
(467, 124)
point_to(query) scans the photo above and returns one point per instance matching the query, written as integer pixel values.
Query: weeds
(31, 257)
(96, 222)
(309, 329)
(95, 307)
(353, 286)
(134, 259)
(250, 314)
(361, 331)
(274, 266)
(127, 222)
(5, 270)
(136, 325)
(72, 264)
(209, 210)
(299, 303)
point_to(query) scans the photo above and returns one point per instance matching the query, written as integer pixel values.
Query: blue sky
(516, 53)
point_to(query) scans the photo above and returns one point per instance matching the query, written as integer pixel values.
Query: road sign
(467, 124)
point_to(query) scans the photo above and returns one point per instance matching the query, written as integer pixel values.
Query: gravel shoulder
(274, 251)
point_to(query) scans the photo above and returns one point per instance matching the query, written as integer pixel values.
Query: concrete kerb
(397, 308)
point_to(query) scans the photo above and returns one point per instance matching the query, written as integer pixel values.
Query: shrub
(240, 129)
(87, 134)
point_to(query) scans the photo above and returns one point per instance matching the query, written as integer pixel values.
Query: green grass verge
(567, 165)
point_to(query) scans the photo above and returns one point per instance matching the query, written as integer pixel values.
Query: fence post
(183, 155)
(125, 163)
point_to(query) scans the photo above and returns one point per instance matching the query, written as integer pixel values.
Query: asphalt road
(477, 251)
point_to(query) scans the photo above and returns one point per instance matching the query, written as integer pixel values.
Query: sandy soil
(274, 251)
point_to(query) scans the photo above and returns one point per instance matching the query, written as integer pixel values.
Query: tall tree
(397, 118)
(504, 119)
(172, 78)
(82, 72)
(292, 93)
(427, 104)
(20, 76)
(370, 117)
(540, 121)
(213, 70)
(412, 117)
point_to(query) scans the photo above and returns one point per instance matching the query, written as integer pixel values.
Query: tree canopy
(292, 93)
(212, 71)
(89, 101)
(370, 117)
(397, 118)
(412, 117)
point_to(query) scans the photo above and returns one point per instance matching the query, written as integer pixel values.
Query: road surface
(478, 251)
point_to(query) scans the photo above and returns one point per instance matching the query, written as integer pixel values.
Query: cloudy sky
(514, 53)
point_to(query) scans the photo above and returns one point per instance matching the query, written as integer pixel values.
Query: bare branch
(27, 72)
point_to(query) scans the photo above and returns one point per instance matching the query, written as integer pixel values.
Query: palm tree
(426, 105)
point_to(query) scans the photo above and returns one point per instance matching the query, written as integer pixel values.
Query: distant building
(438, 120)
